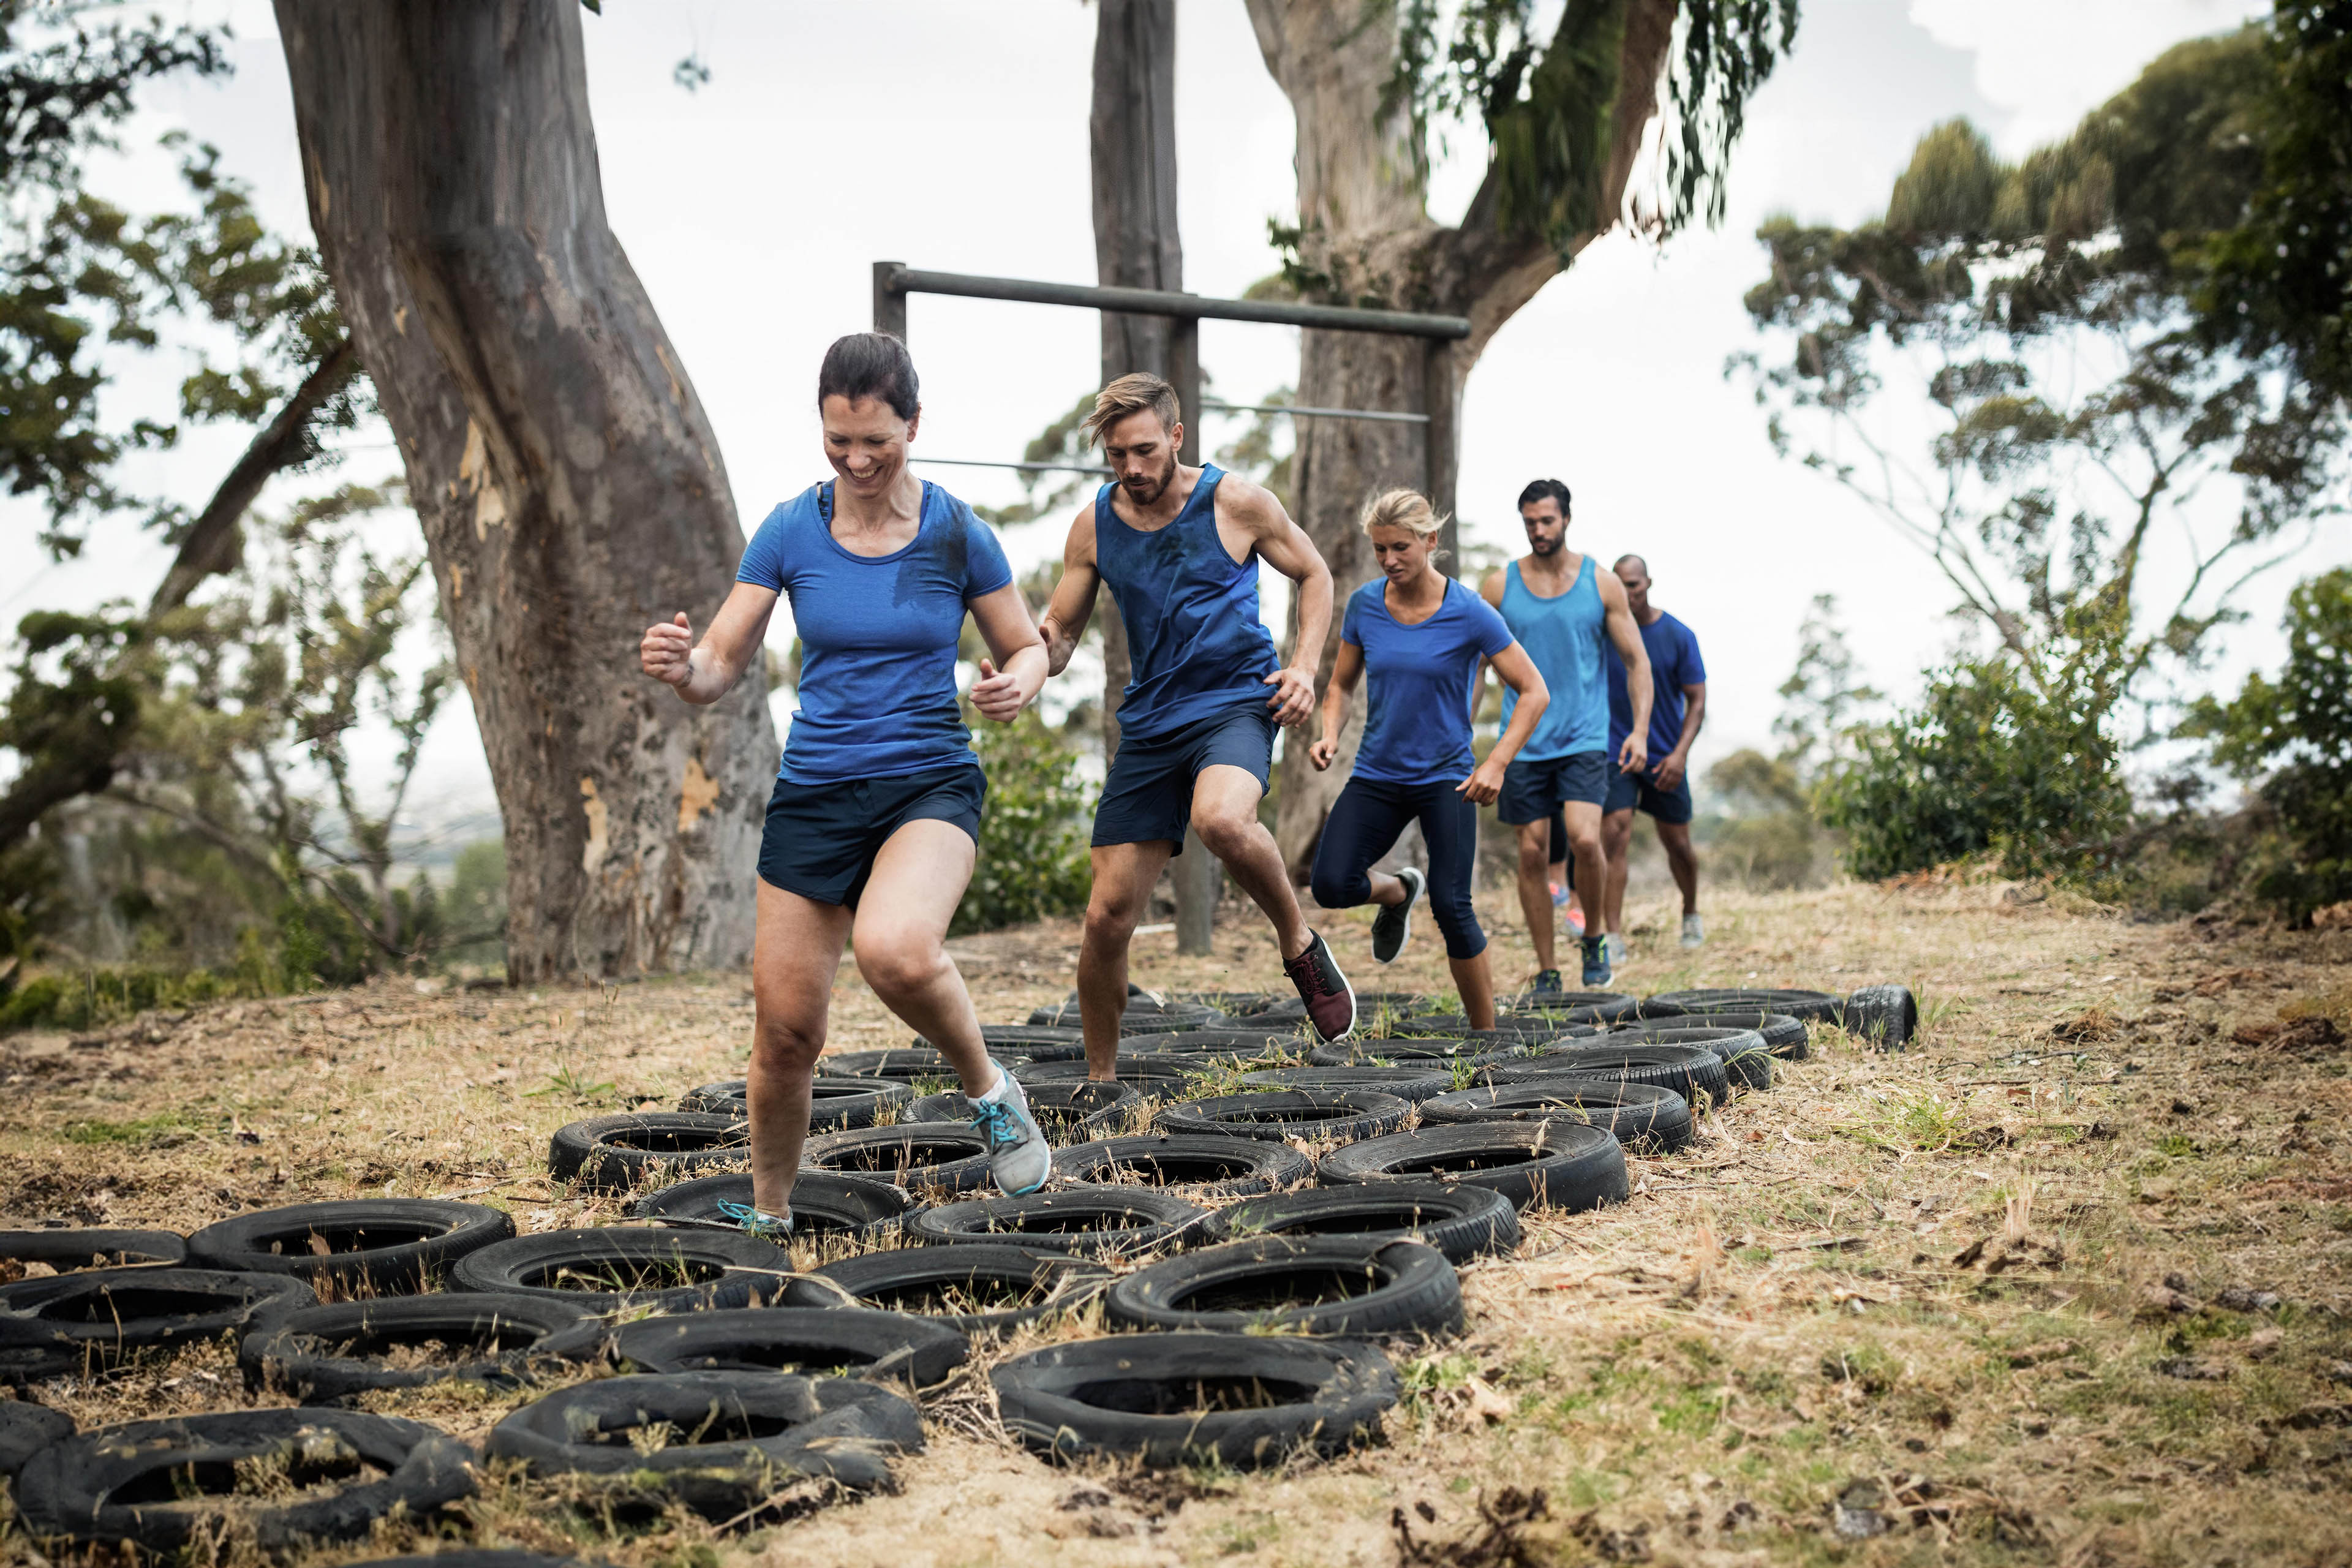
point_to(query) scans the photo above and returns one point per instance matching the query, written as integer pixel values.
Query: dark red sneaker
(1331, 1000)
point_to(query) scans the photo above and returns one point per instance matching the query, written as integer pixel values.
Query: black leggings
(1365, 824)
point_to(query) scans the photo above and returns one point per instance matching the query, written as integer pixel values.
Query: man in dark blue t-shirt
(1663, 789)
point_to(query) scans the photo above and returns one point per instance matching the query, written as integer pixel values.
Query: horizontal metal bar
(1313, 413)
(1034, 468)
(1165, 302)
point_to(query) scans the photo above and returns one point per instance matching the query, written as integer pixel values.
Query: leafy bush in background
(1033, 837)
(2297, 731)
(1988, 761)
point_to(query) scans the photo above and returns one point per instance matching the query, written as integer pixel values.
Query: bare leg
(1475, 981)
(1224, 813)
(1124, 874)
(794, 953)
(1386, 889)
(900, 938)
(1535, 888)
(1584, 848)
(1682, 859)
(1617, 843)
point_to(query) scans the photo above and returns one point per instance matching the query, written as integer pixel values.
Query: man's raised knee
(1224, 833)
(1110, 917)
(897, 966)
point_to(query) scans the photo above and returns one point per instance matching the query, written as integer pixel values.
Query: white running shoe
(1693, 931)
(1019, 1157)
(1619, 952)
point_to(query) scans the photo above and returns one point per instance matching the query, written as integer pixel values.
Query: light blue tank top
(1563, 635)
(1192, 628)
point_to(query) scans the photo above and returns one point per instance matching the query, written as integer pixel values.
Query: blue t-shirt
(1417, 690)
(877, 690)
(1673, 664)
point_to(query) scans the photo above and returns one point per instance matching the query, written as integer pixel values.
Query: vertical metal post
(1196, 873)
(890, 303)
(1440, 454)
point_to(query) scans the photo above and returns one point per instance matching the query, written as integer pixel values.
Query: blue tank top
(1193, 632)
(1563, 635)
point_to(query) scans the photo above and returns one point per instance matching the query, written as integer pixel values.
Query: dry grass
(1994, 1299)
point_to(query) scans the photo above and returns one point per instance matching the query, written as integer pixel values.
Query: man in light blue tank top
(1179, 547)
(1561, 607)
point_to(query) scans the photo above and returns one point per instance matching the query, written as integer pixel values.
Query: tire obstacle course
(1249, 1220)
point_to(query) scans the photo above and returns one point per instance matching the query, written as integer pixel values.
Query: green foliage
(1033, 837)
(2295, 735)
(93, 997)
(476, 906)
(1989, 760)
(2276, 282)
(1762, 828)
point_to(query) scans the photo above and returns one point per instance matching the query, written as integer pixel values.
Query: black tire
(1287, 1284)
(915, 1154)
(26, 1428)
(1556, 1164)
(1573, 1007)
(1239, 1400)
(731, 1438)
(1240, 1006)
(1153, 1077)
(162, 1484)
(824, 1202)
(1410, 1083)
(336, 1351)
(1747, 1059)
(1064, 1108)
(1204, 1168)
(1141, 1017)
(1398, 1052)
(1085, 1222)
(1883, 1016)
(65, 1250)
(1811, 1006)
(1641, 1116)
(814, 1341)
(1270, 1047)
(1310, 1115)
(1457, 1219)
(1031, 1043)
(87, 1320)
(618, 1268)
(1694, 1072)
(836, 1104)
(905, 1063)
(979, 1288)
(616, 1154)
(384, 1244)
(1784, 1036)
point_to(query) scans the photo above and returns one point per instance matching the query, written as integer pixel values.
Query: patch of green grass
(144, 1130)
(2178, 1145)
(1918, 1121)
(572, 1086)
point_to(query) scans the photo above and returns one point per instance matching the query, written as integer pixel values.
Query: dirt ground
(2066, 1282)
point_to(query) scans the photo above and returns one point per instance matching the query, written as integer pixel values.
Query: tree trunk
(570, 488)
(1367, 236)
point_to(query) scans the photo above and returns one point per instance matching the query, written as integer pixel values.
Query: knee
(1223, 831)
(1335, 891)
(786, 1043)
(1535, 858)
(897, 962)
(1582, 841)
(1110, 916)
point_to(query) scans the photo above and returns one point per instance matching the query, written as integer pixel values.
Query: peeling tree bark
(569, 485)
(1362, 210)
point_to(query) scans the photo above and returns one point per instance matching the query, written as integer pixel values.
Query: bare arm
(704, 673)
(1634, 755)
(1677, 761)
(1515, 669)
(1005, 686)
(1346, 670)
(1285, 547)
(1072, 604)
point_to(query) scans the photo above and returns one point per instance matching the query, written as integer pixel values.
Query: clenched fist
(668, 651)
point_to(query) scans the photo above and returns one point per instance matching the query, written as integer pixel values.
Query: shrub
(1987, 761)
(2298, 732)
(1033, 837)
(1763, 833)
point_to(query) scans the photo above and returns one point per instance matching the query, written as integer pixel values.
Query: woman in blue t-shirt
(876, 815)
(1420, 636)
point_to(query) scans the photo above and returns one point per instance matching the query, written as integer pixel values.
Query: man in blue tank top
(1562, 608)
(1179, 547)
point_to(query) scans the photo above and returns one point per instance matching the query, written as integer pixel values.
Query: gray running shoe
(1393, 927)
(1693, 931)
(1620, 952)
(775, 1227)
(1019, 1157)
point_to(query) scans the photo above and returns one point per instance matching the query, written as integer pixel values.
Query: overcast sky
(952, 135)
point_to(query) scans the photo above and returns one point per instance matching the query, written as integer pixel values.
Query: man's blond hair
(1132, 393)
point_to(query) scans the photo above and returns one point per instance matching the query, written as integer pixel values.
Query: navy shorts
(821, 839)
(1533, 791)
(1148, 795)
(1629, 791)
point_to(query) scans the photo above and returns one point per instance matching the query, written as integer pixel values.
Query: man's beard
(1159, 484)
(1550, 547)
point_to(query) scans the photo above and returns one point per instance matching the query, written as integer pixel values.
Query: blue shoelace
(994, 1121)
(753, 1221)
